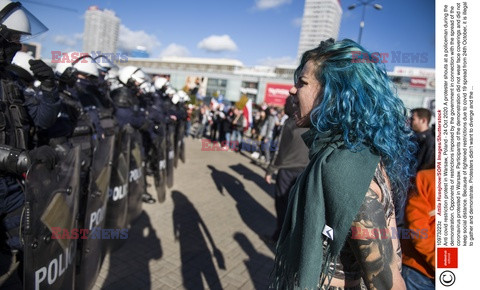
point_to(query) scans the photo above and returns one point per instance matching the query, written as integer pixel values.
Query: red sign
(447, 257)
(418, 82)
(276, 94)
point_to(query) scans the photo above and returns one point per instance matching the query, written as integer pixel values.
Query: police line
(111, 127)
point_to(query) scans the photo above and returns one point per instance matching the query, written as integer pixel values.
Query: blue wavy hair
(358, 100)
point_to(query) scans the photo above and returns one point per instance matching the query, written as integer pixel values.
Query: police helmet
(160, 83)
(131, 74)
(17, 23)
(82, 62)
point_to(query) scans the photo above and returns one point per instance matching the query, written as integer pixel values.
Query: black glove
(44, 154)
(42, 72)
(69, 76)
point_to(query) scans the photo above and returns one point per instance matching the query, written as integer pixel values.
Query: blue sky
(256, 32)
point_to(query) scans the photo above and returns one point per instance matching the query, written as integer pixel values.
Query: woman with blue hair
(340, 228)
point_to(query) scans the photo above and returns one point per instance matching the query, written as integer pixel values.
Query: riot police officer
(179, 99)
(66, 120)
(129, 111)
(155, 138)
(18, 115)
(97, 155)
(166, 94)
(51, 193)
(108, 73)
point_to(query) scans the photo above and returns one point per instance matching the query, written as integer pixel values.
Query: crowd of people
(227, 125)
(277, 138)
(77, 141)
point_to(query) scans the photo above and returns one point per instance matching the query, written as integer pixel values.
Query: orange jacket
(419, 253)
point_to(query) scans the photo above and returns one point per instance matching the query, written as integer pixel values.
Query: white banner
(457, 156)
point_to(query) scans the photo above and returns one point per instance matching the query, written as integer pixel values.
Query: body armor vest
(14, 119)
(124, 98)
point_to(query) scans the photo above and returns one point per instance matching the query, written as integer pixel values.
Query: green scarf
(328, 192)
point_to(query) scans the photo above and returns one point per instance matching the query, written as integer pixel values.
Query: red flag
(247, 113)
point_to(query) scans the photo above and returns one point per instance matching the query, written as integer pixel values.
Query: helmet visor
(19, 23)
(105, 63)
(141, 77)
(36, 26)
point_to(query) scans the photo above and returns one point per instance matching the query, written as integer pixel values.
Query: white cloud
(269, 4)
(297, 22)
(217, 43)
(285, 60)
(174, 49)
(78, 36)
(128, 39)
(65, 40)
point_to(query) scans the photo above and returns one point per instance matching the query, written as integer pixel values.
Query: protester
(204, 119)
(290, 160)
(227, 129)
(266, 133)
(238, 127)
(419, 121)
(190, 110)
(419, 250)
(280, 119)
(361, 159)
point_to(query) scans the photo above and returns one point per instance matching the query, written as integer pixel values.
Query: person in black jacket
(20, 111)
(128, 109)
(290, 160)
(419, 121)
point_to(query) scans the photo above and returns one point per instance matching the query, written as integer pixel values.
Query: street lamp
(362, 23)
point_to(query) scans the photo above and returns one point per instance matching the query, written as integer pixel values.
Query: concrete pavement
(205, 235)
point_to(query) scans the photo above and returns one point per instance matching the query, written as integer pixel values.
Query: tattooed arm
(375, 252)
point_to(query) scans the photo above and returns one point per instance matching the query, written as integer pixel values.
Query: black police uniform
(128, 110)
(20, 114)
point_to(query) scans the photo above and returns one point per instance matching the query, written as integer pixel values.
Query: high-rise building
(321, 21)
(101, 30)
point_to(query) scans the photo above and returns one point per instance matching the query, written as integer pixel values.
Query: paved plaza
(206, 235)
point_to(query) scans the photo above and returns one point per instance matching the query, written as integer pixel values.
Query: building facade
(101, 30)
(231, 79)
(415, 86)
(321, 21)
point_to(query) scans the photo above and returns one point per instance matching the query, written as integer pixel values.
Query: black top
(292, 151)
(426, 149)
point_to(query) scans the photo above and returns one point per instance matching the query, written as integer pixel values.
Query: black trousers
(286, 178)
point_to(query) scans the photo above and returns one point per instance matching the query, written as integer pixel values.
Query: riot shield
(136, 178)
(170, 153)
(50, 230)
(82, 137)
(93, 214)
(181, 142)
(179, 134)
(176, 144)
(116, 218)
(159, 162)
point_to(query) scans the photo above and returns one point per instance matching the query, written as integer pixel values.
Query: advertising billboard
(276, 94)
